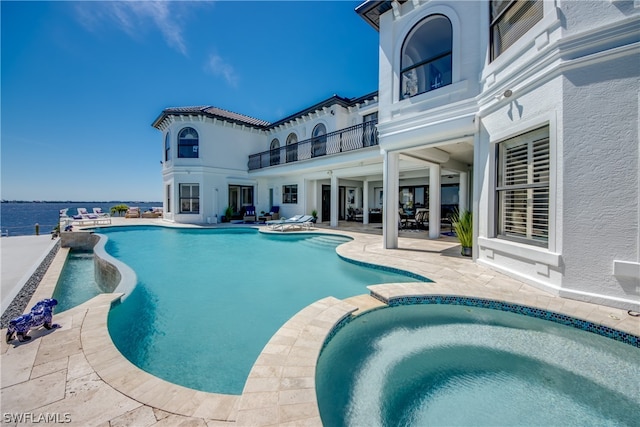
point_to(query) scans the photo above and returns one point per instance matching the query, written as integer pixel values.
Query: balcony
(348, 139)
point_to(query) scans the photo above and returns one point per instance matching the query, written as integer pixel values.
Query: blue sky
(81, 82)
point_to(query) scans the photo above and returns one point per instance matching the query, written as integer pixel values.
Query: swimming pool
(461, 365)
(76, 283)
(208, 300)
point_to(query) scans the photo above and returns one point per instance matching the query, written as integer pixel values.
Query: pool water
(456, 365)
(207, 301)
(76, 283)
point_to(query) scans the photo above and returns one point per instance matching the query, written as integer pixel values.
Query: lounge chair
(250, 214)
(101, 213)
(86, 218)
(274, 223)
(299, 221)
(154, 212)
(84, 214)
(132, 212)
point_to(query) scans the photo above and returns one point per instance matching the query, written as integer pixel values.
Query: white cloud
(217, 66)
(133, 16)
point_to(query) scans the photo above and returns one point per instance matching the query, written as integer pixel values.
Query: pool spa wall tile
(593, 323)
(280, 389)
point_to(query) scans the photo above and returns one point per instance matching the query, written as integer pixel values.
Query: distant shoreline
(79, 201)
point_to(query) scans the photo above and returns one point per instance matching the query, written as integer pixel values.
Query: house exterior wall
(572, 71)
(575, 71)
(467, 60)
(601, 183)
(538, 107)
(222, 160)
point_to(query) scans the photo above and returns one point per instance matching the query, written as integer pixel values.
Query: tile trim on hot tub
(524, 310)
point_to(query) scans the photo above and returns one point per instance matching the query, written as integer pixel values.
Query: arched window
(167, 147)
(274, 155)
(319, 141)
(426, 57)
(188, 143)
(292, 147)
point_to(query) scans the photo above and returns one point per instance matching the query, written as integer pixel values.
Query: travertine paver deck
(77, 372)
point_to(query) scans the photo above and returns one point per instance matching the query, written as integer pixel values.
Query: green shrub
(119, 209)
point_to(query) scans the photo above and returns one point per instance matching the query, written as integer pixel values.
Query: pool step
(324, 241)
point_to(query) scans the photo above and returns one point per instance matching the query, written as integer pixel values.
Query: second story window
(510, 19)
(292, 148)
(369, 131)
(274, 154)
(167, 148)
(188, 143)
(319, 141)
(426, 61)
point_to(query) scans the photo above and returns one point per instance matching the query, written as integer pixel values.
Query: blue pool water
(456, 365)
(76, 283)
(207, 301)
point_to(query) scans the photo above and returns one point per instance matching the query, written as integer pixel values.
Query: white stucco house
(524, 112)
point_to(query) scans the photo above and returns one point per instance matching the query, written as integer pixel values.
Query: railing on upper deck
(347, 139)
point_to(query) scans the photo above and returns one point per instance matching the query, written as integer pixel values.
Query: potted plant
(228, 213)
(462, 223)
(314, 214)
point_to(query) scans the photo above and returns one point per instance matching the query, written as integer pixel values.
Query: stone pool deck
(76, 374)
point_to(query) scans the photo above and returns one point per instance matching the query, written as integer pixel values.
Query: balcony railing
(347, 139)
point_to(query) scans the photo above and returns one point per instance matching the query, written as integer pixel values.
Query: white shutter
(523, 187)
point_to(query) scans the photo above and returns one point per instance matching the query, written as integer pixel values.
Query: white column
(463, 192)
(390, 182)
(334, 201)
(434, 201)
(365, 202)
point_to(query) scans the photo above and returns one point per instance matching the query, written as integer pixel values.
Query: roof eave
(369, 12)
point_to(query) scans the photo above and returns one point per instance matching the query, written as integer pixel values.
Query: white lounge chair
(101, 213)
(303, 221)
(86, 218)
(84, 213)
(275, 223)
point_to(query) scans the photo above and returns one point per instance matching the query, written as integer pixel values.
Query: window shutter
(523, 187)
(511, 20)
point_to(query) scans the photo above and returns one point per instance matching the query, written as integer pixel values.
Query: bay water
(20, 218)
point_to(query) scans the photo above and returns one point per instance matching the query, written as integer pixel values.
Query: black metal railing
(343, 140)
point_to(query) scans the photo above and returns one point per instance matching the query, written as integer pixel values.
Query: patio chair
(132, 212)
(249, 214)
(154, 212)
(403, 219)
(275, 212)
(422, 219)
(303, 221)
